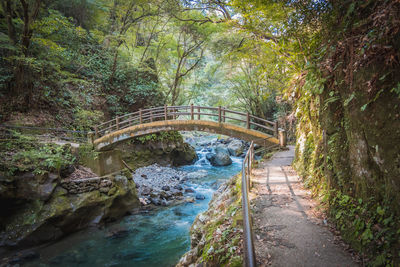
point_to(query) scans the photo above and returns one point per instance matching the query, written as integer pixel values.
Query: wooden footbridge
(188, 118)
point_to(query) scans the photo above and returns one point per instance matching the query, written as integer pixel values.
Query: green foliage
(370, 226)
(170, 136)
(222, 249)
(85, 119)
(86, 152)
(23, 153)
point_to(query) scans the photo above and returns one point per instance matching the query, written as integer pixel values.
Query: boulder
(165, 188)
(185, 155)
(220, 157)
(235, 147)
(41, 221)
(178, 187)
(200, 197)
(155, 201)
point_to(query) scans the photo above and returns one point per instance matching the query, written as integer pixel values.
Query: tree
(29, 12)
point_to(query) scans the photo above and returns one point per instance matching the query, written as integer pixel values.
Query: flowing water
(155, 238)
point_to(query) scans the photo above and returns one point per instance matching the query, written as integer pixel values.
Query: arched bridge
(188, 118)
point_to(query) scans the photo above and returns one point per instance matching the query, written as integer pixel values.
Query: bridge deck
(109, 140)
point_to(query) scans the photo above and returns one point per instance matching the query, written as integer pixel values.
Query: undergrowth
(21, 153)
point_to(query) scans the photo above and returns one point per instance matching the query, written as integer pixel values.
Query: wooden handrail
(220, 114)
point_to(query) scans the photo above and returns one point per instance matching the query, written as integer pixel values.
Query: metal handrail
(250, 258)
(194, 112)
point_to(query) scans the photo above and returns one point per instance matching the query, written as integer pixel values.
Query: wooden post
(219, 114)
(198, 111)
(174, 111)
(191, 112)
(140, 116)
(282, 138)
(117, 122)
(248, 120)
(223, 114)
(276, 129)
(151, 116)
(96, 132)
(165, 112)
(90, 136)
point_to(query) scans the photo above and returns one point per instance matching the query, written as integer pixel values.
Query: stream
(151, 238)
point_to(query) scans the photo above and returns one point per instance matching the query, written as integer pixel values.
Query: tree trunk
(114, 66)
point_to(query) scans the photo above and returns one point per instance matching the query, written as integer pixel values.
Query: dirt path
(287, 227)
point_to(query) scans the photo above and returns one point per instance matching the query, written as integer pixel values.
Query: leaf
(364, 107)
(380, 211)
(348, 100)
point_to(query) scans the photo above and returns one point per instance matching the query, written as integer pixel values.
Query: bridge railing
(191, 112)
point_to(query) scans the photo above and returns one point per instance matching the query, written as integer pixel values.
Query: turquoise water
(155, 238)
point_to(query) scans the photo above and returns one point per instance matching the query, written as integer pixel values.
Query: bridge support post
(140, 116)
(223, 114)
(165, 112)
(276, 131)
(219, 114)
(191, 112)
(282, 138)
(248, 120)
(198, 113)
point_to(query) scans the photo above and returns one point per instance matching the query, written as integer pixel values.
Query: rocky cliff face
(216, 235)
(348, 135)
(37, 209)
(163, 149)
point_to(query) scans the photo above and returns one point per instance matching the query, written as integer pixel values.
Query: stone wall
(104, 184)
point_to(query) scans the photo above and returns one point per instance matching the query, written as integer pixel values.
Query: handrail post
(151, 116)
(198, 113)
(140, 116)
(96, 132)
(117, 122)
(282, 137)
(165, 112)
(191, 112)
(219, 114)
(223, 114)
(276, 129)
(174, 111)
(248, 172)
(248, 120)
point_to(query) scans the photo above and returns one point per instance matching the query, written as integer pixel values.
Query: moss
(345, 156)
(221, 233)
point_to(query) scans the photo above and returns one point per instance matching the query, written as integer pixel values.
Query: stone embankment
(217, 234)
(79, 186)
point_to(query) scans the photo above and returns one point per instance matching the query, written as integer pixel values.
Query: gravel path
(288, 228)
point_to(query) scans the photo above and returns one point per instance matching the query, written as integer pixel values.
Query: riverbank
(160, 233)
(217, 234)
